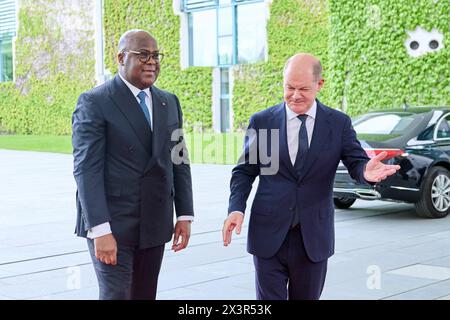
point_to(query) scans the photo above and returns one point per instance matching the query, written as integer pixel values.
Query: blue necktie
(144, 107)
(301, 156)
(302, 145)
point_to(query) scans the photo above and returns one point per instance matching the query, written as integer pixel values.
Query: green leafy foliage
(50, 72)
(369, 63)
(294, 26)
(193, 86)
(360, 44)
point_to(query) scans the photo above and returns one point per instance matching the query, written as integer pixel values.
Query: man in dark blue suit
(291, 227)
(126, 133)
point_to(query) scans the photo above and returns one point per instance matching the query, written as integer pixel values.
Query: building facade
(223, 58)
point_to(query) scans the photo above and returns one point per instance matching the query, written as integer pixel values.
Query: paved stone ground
(383, 250)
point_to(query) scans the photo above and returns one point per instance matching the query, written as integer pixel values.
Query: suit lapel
(128, 105)
(159, 120)
(321, 135)
(159, 125)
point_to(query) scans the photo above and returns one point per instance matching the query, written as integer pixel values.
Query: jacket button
(131, 149)
(291, 208)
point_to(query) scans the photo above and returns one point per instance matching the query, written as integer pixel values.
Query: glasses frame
(151, 55)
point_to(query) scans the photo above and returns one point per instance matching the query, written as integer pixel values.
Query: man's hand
(106, 249)
(376, 170)
(183, 230)
(234, 220)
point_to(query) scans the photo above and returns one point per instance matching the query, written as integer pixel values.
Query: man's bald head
(131, 36)
(304, 62)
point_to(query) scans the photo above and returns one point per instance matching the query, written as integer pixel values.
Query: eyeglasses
(145, 56)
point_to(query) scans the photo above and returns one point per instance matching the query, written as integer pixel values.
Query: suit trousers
(289, 274)
(134, 277)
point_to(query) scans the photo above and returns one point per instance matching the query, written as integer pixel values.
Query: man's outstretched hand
(376, 170)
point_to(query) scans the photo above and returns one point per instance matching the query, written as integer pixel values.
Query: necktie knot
(302, 117)
(142, 96)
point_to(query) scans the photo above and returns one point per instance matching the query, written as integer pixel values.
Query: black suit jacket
(123, 171)
(285, 193)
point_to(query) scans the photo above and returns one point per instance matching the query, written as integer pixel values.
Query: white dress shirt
(105, 228)
(293, 127)
(148, 97)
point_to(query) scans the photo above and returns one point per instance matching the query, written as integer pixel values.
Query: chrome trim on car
(404, 188)
(366, 194)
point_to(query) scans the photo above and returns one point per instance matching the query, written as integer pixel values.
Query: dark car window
(427, 134)
(443, 130)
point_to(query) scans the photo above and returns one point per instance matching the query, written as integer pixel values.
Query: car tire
(343, 202)
(434, 202)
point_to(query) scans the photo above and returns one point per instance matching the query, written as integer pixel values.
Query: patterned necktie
(302, 145)
(144, 107)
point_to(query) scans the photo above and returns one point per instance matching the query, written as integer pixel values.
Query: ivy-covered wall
(54, 63)
(193, 86)
(369, 63)
(294, 26)
(360, 43)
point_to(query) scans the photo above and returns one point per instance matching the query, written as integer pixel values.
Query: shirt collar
(134, 89)
(311, 112)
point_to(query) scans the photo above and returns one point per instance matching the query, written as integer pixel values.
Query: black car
(417, 139)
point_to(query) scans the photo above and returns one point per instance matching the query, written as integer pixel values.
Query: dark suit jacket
(310, 194)
(124, 173)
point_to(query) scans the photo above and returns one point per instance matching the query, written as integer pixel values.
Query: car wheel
(343, 202)
(434, 199)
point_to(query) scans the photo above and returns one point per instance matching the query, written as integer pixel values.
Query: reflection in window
(203, 32)
(227, 32)
(225, 36)
(7, 32)
(6, 59)
(444, 128)
(224, 99)
(385, 124)
(251, 32)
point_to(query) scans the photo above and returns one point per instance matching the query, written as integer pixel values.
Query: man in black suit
(129, 174)
(291, 227)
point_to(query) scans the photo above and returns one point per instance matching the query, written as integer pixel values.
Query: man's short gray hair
(317, 69)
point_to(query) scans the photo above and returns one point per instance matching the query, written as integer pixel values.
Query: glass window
(251, 32)
(224, 99)
(443, 130)
(225, 22)
(6, 60)
(226, 32)
(7, 32)
(225, 50)
(225, 35)
(198, 4)
(203, 30)
(224, 82)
